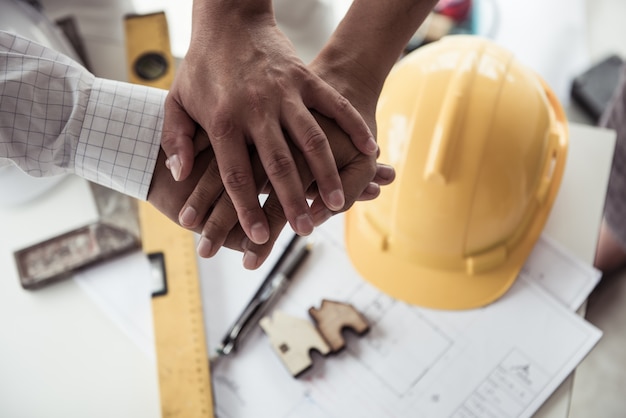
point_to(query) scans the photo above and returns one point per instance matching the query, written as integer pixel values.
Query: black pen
(271, 287)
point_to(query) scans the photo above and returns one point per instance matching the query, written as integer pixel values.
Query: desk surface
(61, 356)
(577, 214)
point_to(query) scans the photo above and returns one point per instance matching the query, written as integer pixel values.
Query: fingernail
(260, 234)
(188, 216)
(387, 172)
(371, 146)
(304, 224)
(336, 199)
(175, 166)
(249, 260)
(205, 246)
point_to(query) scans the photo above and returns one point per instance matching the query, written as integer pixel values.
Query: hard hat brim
(429, 288)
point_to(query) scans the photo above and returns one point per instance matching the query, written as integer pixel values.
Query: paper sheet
(122, 289)
(500, 361)
(566, 278)
(437, 363)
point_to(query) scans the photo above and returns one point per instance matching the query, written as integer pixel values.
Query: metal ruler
(184, 373)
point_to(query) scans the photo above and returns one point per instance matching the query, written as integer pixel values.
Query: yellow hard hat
(479, 144)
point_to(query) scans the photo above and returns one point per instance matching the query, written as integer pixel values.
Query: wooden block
(332, 317)
(293, 339)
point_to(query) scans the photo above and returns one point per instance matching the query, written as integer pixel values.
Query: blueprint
(503, 360)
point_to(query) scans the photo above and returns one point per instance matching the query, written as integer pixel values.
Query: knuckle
(315, 140)
(221, 127)
(168, 140)
(235, 179)
(202, 194)
(222, 220)
(256, 100)
(279, 165)
(302, 73)
(342, 104)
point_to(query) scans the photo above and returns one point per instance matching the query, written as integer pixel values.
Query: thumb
(177, 139)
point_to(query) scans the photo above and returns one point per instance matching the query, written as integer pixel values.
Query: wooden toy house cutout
(333, 317)
(293, 338)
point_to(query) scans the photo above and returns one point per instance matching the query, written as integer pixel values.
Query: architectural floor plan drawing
(500, 361)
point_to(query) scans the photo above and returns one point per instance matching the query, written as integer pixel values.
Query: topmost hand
(242, 82)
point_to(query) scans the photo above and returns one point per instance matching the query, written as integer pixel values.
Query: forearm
(371, 38)
(212, 18)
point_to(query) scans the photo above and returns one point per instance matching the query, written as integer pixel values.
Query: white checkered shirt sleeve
(56, 117)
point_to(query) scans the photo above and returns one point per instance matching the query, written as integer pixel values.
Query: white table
(60, 356)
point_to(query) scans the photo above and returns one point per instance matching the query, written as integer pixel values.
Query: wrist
(220, 16)
(349, 75)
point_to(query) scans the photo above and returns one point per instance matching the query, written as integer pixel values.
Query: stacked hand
(275, 126)
(217, 221)
(243, 84)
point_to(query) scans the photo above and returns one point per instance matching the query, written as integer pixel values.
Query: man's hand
(242, 82)
(360, 174)
(204, 183)
(355, 61)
